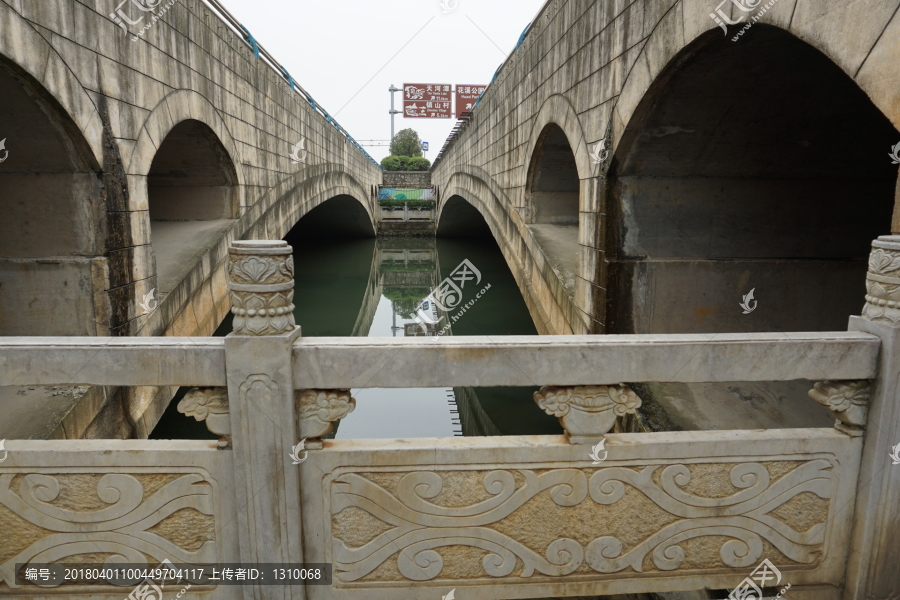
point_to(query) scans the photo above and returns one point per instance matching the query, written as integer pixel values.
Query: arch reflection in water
(339, 299)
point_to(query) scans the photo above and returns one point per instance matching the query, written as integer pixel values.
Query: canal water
(377, 288)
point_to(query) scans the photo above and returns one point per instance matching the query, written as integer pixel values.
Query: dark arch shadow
(53, 206)
(337, 242)
(459, 219)
(749, 165)
(552, 186)
(191, 197)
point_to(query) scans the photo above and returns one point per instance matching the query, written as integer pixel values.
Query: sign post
(466, 97)
(427, 101)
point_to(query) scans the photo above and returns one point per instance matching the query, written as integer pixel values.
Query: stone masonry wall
(407, 179)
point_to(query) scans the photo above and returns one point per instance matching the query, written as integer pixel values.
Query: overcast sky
(347, 53)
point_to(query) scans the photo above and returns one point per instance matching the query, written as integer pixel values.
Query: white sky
(333, 48)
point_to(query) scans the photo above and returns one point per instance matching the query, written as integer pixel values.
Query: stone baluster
(318, 410)
(872, 571)
(210, 405)
(587, 412)
(263, 413)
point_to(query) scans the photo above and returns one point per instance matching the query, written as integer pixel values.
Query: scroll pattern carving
(261, 281)
(416, 527)
(587, 411)
(848, 401)
(883, 282)
(123, 527)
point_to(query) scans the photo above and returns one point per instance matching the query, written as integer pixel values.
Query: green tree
(406, 143)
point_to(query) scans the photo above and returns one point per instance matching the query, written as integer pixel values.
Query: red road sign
(466, 96)
(427, 92)
(427, 100)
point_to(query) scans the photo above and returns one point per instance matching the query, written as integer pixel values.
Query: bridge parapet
(588, 513)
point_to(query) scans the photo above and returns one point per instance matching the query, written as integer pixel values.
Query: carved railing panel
(84, 510)
(523, 512)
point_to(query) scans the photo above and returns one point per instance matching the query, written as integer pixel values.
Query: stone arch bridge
(641, 166)
(644, 167)
(134, 158)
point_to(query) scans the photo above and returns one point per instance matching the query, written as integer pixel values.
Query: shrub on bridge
(419, 163)
(405, 163)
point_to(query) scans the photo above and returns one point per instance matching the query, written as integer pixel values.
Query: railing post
(875, 544)
(263, 414)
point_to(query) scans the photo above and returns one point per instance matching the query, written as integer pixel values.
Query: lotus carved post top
(883, 281)
(587, 412)
(210, 405)
(318, 410)
(848, 401)
(261, 282)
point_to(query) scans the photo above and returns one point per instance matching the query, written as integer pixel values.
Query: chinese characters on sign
(466, 96)
(427, 100)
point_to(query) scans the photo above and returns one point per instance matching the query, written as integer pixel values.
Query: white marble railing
(497, 517)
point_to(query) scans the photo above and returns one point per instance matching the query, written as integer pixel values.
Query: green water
(369, 287)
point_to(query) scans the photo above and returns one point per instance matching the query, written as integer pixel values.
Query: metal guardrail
(236, 26)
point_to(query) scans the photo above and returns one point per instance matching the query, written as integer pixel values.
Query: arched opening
(192, 198)
(552, 190)
(750, 165)
(53, 210)
(462, 220)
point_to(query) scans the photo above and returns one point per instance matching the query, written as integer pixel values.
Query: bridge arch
(732, 173)
(30, 55)
(173, 110)
(52, 202)
(190, 191)
(557, 160)
(548, 303)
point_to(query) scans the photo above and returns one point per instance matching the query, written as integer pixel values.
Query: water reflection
(369, 287)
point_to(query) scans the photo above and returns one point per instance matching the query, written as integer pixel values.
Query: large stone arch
(551, 307)
(175, 108)
(52, 197)
(731, 174)
(271, 217)
(557, 110)
(36, 59)
(863, 43)
(277, 212)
